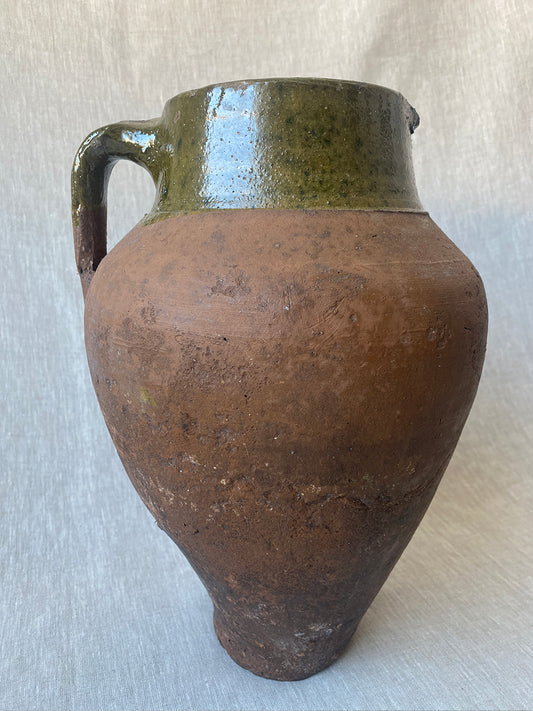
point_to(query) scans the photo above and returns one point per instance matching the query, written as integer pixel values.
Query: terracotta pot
(285, 349)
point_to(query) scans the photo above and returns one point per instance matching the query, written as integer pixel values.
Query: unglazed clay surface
(285, 389)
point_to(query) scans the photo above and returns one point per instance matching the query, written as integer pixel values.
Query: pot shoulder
(256, 273)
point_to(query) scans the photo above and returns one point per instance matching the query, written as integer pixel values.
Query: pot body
(285, 388)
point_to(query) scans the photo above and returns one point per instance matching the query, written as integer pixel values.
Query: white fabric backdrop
(98, 609)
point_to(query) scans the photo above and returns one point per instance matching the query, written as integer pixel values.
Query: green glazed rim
(290, 143)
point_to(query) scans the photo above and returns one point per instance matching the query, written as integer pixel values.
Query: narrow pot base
(281, 656)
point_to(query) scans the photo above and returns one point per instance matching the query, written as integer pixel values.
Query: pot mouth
(299, 142)
(342, 85)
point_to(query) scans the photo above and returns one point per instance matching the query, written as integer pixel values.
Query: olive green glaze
(289, 143)
(272, 143)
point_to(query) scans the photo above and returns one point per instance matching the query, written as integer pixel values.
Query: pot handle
(136, 141)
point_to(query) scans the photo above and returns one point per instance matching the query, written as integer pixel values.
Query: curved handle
(136, 141)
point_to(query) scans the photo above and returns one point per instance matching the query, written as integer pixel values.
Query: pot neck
(287, 143)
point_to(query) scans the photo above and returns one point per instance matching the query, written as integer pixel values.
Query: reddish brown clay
(285, 389)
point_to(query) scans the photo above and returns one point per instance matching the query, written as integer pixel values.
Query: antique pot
(285, 349)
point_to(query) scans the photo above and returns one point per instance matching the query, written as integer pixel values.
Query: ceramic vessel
(285, 349)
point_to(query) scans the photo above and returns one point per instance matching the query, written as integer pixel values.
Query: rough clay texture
(285, 389)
